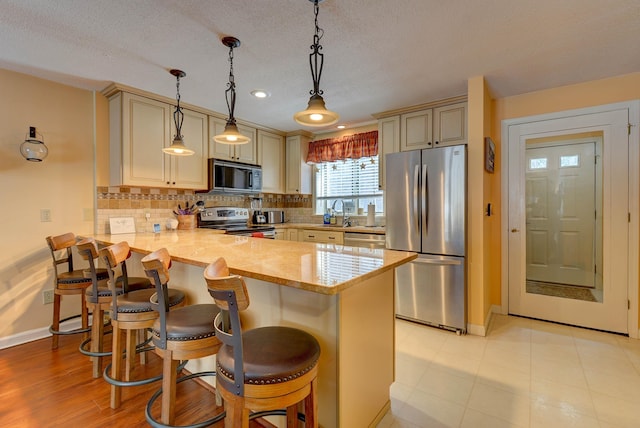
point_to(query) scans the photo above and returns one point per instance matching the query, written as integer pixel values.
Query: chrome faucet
(346, 220)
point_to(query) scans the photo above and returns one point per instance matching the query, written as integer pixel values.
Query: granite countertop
(378, 230)
(320, 268)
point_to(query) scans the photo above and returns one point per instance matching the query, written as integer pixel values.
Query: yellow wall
(588, 94)
(63, 183)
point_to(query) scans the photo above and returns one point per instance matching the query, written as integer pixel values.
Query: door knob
(515, 230)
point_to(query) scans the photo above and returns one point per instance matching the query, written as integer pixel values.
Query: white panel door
(610, 312)
(561, 215)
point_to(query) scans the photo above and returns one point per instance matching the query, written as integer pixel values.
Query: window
(538, 163)
(347, 185)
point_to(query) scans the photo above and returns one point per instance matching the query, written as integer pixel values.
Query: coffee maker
(257, 216)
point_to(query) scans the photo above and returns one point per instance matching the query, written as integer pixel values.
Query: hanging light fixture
(34, 149)
(316, 113)
(177, 147)
(231, 135)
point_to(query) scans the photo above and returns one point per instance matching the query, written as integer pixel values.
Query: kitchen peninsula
(342, 295)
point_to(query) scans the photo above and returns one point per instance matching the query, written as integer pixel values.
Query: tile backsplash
(159, 203)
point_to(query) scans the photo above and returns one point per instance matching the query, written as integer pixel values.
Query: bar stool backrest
(88, 250)
(116, 255)
(156, 266)
(231, 296)
(58, 243)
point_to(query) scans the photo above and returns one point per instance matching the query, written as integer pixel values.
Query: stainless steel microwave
(225, 176)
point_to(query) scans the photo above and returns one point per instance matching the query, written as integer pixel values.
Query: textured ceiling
(379, 55)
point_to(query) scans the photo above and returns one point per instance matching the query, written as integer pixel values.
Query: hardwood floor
(40, 387)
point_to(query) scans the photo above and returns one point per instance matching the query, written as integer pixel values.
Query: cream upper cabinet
(139, 129)
(191, 171)
(417, 130)
(298, 172)
(434, 127)
(450, 125)
(388, 142)
(245, 153)
(271, 149)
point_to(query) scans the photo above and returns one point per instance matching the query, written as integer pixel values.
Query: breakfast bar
(342, 295)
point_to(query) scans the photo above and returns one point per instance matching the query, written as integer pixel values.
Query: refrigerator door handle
(437, 262)
(425, 200)
(416, 184)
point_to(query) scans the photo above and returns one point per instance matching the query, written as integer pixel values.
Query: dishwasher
(366, 240)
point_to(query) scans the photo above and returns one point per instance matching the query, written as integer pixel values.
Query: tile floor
(525, 373)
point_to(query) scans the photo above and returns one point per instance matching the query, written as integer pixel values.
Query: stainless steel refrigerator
(426, 213)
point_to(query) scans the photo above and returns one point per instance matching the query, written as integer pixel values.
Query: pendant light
(316, 113)
(231, 135)
(34, 149)
(177, 147)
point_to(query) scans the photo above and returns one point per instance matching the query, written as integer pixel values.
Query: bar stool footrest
(66, 332)
(154, 423)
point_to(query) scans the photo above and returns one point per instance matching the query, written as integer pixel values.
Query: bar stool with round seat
(69, 282)
(181, 334)
(98, 300)
(264, 369)
(131, 312)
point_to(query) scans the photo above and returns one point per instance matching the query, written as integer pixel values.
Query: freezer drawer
(432, 290)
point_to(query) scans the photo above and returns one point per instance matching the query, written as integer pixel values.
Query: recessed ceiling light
(341, 126)
(259, 93)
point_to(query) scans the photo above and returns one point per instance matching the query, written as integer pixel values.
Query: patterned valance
(354, 146)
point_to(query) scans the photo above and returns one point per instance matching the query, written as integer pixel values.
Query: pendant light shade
(231, 135)
(34, 149)
(316, 113)
(177, 147)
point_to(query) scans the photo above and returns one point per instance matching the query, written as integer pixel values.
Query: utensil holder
(186, 221)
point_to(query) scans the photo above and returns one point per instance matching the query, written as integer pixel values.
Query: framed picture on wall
(489, 154)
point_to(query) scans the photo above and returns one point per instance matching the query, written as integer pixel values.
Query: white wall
(63, 183)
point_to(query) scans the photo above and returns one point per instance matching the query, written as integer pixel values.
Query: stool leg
(97, 331)
(142, 336)
(130, 354)
(85, 314)
(169, 368)
(311, 406)
(116, 366)
(55, 325)
(292, 416)
(237, 415)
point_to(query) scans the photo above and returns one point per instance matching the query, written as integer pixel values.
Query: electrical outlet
(45, 215)
(147, 215)
(47, 296)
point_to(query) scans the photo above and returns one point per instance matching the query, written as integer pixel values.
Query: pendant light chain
(230, 93)
(316, 70)
(178, 115)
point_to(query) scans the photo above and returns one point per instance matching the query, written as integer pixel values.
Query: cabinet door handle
(437, 142)
(428, 143)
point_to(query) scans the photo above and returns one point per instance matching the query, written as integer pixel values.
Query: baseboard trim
(482, 330)
(36, 334)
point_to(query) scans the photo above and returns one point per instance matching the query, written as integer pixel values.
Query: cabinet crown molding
(411, 109)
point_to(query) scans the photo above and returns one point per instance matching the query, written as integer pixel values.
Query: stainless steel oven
(234, 221)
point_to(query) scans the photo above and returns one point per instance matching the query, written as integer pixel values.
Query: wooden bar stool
(131, 313)
(263, 369)
(68, 282)
(98, 299)
(181, 334)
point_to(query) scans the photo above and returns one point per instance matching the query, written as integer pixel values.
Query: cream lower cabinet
(280, 234)
(140, 128)
(292, 235)
(245, 153)
(298, 172)
(271, 156)
(322, 236)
